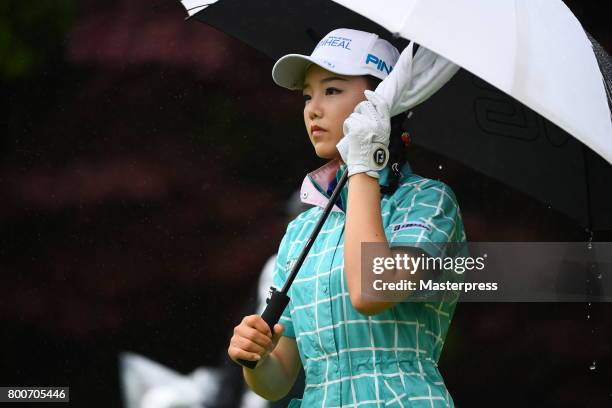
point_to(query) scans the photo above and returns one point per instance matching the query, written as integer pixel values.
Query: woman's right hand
(252, 339)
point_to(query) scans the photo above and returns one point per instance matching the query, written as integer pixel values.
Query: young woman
(356, 351)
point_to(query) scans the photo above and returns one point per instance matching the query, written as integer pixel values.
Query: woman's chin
(326, 152)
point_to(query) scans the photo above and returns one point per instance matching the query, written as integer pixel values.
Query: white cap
(342, 51)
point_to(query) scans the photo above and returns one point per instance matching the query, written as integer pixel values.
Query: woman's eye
(328, 91)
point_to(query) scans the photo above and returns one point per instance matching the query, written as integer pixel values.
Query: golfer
(355, 351)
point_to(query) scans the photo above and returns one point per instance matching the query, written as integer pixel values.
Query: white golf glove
(365, 145)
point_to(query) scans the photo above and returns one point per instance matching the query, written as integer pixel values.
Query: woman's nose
(314, 108)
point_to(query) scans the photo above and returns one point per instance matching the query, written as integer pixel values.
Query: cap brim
(289, 71)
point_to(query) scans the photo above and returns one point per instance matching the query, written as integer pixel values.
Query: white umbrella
(535, 51)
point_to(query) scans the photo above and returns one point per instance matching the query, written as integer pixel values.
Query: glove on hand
(365, 145)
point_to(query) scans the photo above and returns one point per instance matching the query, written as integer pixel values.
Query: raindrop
(589, 303)
(485, 255)
(439, 167)
(589, 245)
(592, 366)
(599, 276)
(588, 316)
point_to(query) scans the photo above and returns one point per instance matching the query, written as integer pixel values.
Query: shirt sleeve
(278, 280)
(429, 219)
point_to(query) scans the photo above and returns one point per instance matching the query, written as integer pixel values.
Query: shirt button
(305, 194)
(325, 290)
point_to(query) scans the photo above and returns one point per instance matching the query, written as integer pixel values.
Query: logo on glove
(380, 157)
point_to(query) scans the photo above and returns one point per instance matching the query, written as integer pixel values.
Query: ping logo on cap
(381, 65)
(333, 41)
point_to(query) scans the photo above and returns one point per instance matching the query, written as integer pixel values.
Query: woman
(356, 351)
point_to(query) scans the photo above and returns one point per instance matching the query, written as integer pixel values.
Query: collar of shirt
(318, 185)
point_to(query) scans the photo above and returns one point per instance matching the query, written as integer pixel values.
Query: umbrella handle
(275, 306)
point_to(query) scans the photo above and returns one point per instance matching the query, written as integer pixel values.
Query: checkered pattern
(389, 359)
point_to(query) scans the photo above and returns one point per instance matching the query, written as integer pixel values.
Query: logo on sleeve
(407, 225)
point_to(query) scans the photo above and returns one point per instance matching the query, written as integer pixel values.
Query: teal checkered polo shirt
(350, 359)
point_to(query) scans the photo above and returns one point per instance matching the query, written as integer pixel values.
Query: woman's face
(328, 100)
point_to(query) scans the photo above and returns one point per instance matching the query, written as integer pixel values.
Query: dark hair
(398, 152)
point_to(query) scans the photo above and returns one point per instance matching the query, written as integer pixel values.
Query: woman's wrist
(265, 378)
(364, 177)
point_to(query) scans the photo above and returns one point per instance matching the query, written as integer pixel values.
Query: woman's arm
(277, 356)
(275, 373)
(364, 224)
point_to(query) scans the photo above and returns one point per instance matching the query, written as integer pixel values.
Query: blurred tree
(29, 32)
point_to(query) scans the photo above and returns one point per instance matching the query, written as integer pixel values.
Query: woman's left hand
(364, 147)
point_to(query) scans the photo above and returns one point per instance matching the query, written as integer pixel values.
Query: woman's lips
(317, 131)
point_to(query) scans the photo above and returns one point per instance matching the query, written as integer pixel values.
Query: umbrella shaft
(315, 232)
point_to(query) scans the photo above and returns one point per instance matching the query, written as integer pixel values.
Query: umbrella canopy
(537, 52)
(530, 80)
